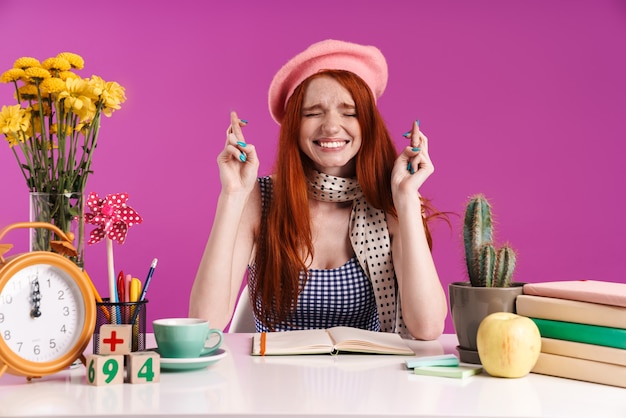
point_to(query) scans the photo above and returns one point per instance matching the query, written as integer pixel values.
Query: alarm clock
(47, 308)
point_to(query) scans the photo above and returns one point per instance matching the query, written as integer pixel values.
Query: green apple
(508, 344)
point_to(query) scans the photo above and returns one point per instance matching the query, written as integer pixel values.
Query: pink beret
(365, 61)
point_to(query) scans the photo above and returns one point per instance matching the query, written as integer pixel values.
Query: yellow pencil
(97, 296)
(135, 292)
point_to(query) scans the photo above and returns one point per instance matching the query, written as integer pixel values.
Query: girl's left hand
(413, 166)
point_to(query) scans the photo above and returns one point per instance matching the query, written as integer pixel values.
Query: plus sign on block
(115, 339)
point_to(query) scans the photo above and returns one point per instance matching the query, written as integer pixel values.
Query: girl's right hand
(238, 162)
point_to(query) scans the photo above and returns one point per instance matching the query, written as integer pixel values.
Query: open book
(328, 341)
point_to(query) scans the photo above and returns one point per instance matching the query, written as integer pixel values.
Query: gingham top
(335, 297)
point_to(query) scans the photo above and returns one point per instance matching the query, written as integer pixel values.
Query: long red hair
(285, 239)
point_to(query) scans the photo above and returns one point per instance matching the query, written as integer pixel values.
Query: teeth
(336, 144)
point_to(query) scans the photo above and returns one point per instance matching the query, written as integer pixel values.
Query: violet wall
(523, 100)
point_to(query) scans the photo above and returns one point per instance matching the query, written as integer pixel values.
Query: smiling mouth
(331, 144)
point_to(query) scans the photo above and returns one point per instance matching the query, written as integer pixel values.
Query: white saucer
(193, 363)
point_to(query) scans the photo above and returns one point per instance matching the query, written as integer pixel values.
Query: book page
(364, 341)
(311, 341)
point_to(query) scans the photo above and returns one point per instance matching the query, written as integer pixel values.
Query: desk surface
(320, 385)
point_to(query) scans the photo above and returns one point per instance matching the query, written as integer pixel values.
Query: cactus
(486, 265)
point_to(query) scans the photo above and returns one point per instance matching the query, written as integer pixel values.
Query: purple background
(521, 100)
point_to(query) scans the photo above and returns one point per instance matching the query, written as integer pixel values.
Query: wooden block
(143, 367)
(103, 370)
(115, 339)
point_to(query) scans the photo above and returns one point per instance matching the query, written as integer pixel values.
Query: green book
(582, 333)
(458, 372)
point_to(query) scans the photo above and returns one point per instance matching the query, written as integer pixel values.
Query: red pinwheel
(112, 215)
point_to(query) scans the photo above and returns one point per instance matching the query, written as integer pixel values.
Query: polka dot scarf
(370, 240)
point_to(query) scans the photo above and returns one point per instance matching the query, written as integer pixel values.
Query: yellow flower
(64, 75)
(75, 60)
(14, 122)
(37, 74)
(13, 140)
(58, 132)
(110, 94)
(28, 92)
(76, 98)
(75, 87)
(26, 62)
(45, 108)
(53, 85)
(96, 86)
(112, 97)
(56, 64)
(11, 75)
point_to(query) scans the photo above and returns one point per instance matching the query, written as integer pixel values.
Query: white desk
(344, 385)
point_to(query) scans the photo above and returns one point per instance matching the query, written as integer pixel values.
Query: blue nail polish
(412, 171)
(415, 149)
(406, 134)
(408, 167)
(242, 157)
(244, 120)
(241, 144)
(418, 122)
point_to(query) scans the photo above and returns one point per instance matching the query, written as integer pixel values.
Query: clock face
(42, 313)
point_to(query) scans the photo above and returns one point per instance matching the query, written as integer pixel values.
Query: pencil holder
(120, 313)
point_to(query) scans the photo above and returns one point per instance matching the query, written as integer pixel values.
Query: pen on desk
(118, 296)
(142, 297)
(148, 280)
(121, 289)
(127, 282)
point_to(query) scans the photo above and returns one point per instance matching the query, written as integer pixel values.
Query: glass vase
(66, 211)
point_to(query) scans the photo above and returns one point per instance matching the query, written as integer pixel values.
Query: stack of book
(583, 329)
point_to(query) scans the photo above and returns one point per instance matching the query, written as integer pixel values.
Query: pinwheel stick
(111, 268)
